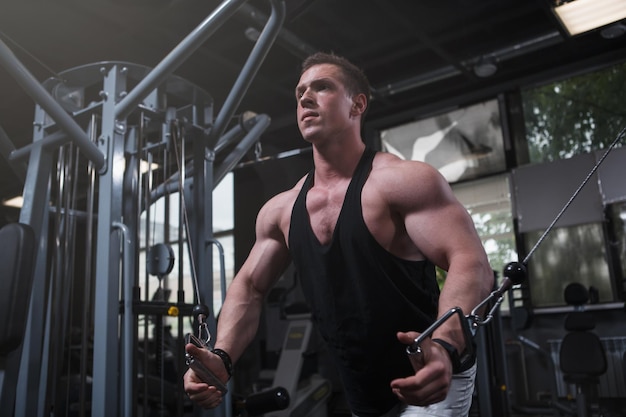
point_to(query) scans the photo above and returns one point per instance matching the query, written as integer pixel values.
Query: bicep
(269, 255)
(438, 224)
(267, 260)
(443, 233)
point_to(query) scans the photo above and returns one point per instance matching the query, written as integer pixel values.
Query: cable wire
(571, 200)
(192, 261)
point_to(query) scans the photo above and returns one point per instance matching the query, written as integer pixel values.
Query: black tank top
(360, 295)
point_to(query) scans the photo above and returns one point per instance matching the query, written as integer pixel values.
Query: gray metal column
(131, 214)
(35, 212)
(106, 365)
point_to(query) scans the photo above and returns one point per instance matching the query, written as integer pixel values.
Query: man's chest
(324, 207)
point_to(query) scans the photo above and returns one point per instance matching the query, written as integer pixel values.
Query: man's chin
(309, 134)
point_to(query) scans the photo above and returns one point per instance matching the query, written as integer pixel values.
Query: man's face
(324, 105)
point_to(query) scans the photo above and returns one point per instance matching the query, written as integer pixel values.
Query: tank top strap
(361, 173)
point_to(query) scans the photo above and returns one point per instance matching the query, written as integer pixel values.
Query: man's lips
(308, 115)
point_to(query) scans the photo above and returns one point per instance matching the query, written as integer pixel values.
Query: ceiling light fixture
(485, 67)
(579, 16)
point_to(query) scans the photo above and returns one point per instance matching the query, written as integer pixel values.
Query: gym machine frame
(23, 386)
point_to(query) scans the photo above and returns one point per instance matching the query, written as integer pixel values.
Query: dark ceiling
(417, 54)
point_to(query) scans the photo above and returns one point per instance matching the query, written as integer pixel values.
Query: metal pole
(106, 307)
(6, 150)
(254, 61)
(176, 57)
(35, 213)
(34, 89)
(87, 322)
(128, 324)
(261, 121)
(51, 141)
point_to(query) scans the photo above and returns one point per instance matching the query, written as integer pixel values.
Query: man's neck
(337, 160)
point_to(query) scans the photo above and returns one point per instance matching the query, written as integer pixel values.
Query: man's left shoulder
(389, 164)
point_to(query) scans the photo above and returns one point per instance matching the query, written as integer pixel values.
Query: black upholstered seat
(582, 356)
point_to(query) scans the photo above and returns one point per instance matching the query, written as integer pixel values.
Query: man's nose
(306, 99)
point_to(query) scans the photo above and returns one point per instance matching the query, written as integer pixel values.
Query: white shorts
(456, 404)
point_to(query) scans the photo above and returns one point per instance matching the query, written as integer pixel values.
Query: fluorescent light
(16, 202)
(580, 16)
(145, 166)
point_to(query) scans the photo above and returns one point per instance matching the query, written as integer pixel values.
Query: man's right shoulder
(275, 215)
(285, 199)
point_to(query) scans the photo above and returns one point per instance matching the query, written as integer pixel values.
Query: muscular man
(364, 230)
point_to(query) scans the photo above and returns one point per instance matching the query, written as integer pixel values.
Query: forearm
(239, 319)
(467, 284)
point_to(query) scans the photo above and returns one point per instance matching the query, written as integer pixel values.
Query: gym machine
(298, 357)
(309, 396)
(86, 190)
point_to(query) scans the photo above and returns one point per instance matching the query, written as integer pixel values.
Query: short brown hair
(355, 80)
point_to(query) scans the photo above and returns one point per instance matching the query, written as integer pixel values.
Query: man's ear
(359, 104)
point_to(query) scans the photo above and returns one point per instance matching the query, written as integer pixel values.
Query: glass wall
(568, 125)
(568, 254)
(462, 144)
(616, 215)
(563, 120)
(576, 115)
(489, 203)
(223, 230)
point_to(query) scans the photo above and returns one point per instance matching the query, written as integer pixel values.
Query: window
(568, 254)
(568, 125)
(616, 214)
(462, 144)
(489, 203)
(223, 228)
(576, 115)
